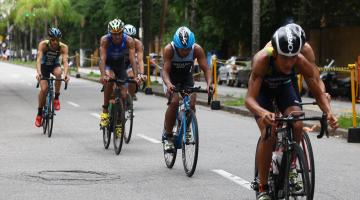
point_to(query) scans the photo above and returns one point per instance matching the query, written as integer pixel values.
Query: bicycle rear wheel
(129, 118)
(296, 182)
(309, 157)
(118, 126)
(190, 145)
(51, 114)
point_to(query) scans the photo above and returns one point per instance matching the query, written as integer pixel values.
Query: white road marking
(73, 104)
(231, 177)
(95, 115)
(149, 139)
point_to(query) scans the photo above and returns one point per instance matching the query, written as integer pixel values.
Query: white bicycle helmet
(130, 30)
(116, 26)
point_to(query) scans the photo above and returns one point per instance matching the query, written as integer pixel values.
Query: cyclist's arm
(103, 47)
(64, 55)
(167, 64)
(201, 59)
(39, 57)
(312, 78)
(130, 44)
(259, 64)
(308, 53)
(140, 55)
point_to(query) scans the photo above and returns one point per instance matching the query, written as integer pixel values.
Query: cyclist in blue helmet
(271, 80)
(179, 56)
(47, 62)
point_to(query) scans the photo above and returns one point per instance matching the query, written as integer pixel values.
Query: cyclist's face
(285, 64)
(54, 42)
(183, 52)
(117, 37)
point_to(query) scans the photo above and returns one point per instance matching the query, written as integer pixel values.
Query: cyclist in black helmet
(48, 62)
(271, 79)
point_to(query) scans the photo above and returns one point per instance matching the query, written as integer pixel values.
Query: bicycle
(185, 132)
(117, 118)
(48, 112)
(288, 157)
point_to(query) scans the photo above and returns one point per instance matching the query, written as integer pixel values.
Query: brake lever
(324, 127)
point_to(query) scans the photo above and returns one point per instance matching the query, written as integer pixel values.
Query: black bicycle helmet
(287, 41)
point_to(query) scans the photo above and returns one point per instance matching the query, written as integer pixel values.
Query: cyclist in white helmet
(130, 30)
(112, 65)
(272, 80)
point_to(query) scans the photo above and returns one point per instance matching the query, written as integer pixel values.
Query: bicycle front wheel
(129, 118)
(190, 145)
(296, 182)
(118, 126)
(106, 137)
(51, 114)
(309, 157)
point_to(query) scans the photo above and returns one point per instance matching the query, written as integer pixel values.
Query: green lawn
(345, 120)
(237, 102)
(27, 64)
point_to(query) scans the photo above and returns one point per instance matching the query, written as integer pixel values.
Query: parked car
(244, 72)
(228, 72)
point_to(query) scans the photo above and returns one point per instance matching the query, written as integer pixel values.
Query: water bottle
(276, 161)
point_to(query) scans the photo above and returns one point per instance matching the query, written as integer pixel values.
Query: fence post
(215, 105)
(148, 89)
(77, 61)
(354, 132)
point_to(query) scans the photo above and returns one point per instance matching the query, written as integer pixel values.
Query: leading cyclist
(273, 70)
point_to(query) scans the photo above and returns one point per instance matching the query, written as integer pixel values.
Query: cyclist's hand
(209, 88)
(333, 122)
(104, 79)
(143, 77)
(138, 80)
(38, 77)
(170, 87)
(268, 118)
(66, 78)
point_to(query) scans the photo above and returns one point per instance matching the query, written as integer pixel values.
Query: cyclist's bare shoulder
(260, 62)
(138, 44)
(168, 51)
(308, 52)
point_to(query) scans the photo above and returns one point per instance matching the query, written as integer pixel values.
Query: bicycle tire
(118, 124)
(129, 118)
(303, 170)
(106, 137)
(51, 114)
(45, 123)
(170, 157)
(190, 169)
(309, 157)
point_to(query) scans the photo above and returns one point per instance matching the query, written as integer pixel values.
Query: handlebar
(52, 79)
(189, 90)
(119, 81)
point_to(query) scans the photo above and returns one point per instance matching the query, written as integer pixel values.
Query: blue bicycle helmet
(183, 38)
(54, 33)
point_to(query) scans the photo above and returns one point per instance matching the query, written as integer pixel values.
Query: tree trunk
(255, 27)
(147, 29)
(193, 15)
(162, 21)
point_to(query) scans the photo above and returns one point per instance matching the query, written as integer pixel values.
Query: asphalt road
(73, 163)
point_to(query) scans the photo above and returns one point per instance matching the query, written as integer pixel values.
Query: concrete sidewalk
(226, 93)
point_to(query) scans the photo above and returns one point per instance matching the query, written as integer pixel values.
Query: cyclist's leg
(57, 73)
(265, 146)
(286, 102)
(170, 114)
(107, 89)
(45, 72)
(131, 86)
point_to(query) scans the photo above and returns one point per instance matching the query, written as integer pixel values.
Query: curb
(340, 132)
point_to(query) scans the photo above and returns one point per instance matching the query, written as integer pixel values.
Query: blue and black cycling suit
(282, 88)
(181, 68)
(50, 59)
(115, 57)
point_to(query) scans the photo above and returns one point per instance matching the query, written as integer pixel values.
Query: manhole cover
(71, 176)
